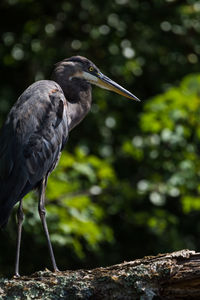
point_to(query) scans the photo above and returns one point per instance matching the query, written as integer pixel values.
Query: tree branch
(165, 276)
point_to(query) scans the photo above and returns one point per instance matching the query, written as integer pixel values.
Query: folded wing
(31, 140)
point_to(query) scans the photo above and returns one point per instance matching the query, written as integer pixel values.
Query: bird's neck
(78, 94)
(77, 110)
(77, 91)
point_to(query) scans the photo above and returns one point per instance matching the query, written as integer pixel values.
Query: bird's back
(30, 142)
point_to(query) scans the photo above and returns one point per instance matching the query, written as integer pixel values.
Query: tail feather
(5, 212)
(6, 206)
(10, 195)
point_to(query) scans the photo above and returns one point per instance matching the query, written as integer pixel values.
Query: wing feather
(31, 140)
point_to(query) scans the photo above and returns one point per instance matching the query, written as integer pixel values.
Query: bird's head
(83, 68)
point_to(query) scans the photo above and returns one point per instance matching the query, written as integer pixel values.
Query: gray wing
(31, 140)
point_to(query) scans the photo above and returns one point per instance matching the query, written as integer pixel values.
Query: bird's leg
(42, 213)
(20, 218)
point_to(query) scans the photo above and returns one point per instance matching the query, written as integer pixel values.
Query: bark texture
(165, 276)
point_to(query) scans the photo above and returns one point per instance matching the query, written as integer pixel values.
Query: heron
(36, 131)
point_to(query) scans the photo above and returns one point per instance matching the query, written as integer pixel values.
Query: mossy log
(165, 276)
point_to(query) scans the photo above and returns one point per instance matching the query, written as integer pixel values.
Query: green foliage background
(127, 184)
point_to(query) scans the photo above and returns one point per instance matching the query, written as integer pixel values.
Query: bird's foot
(16, 276)
(56, 270)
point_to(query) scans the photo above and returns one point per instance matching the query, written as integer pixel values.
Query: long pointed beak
(108, 84)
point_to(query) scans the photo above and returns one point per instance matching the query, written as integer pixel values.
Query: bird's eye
(91, 69)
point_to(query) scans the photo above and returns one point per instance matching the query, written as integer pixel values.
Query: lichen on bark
(165, 276)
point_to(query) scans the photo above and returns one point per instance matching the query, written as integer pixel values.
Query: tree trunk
(165, 276)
